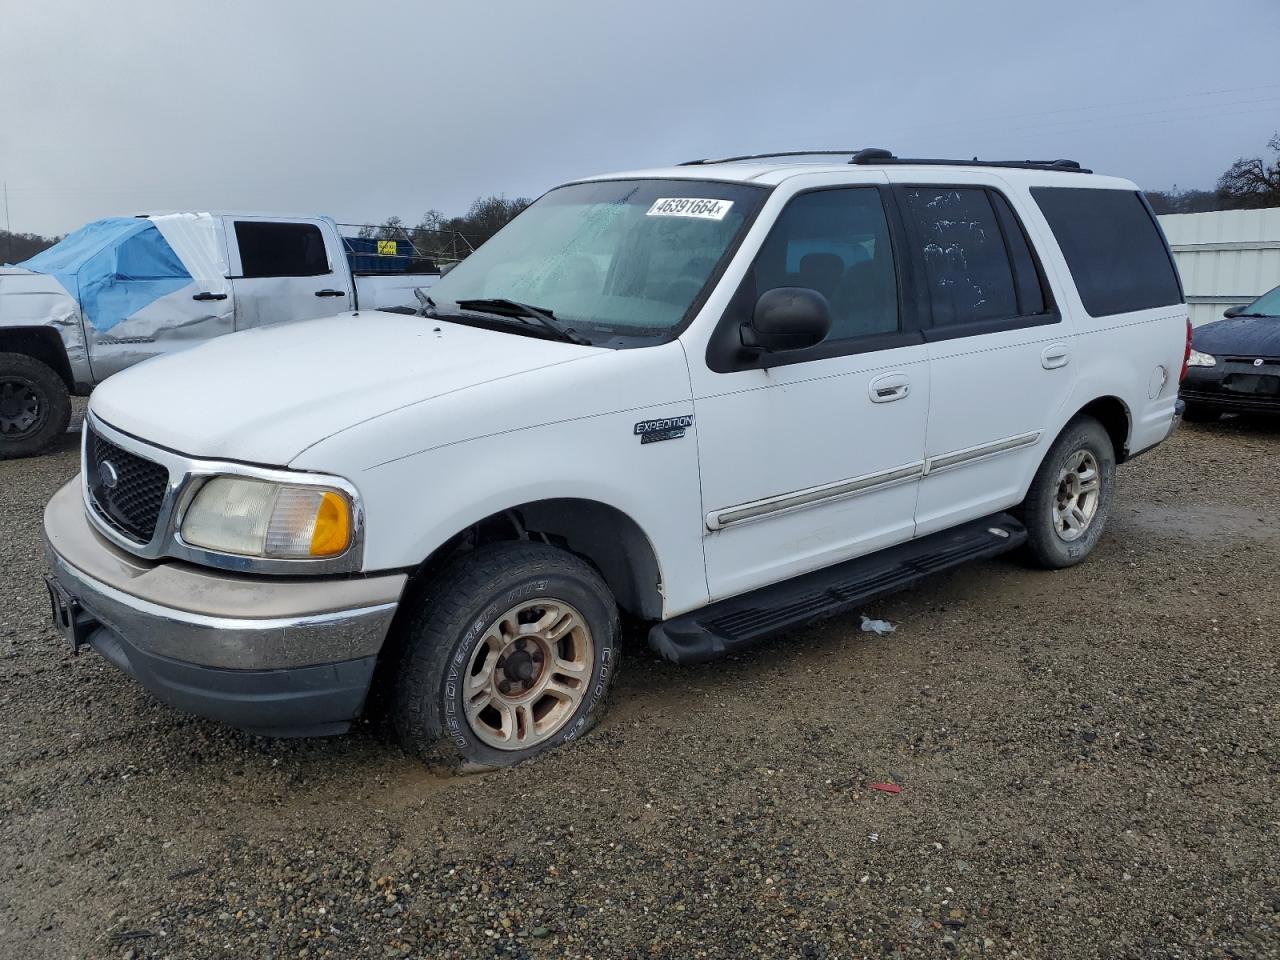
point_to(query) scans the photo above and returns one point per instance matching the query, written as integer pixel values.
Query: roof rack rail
(878, 155)
(872, 156)
(770, 156)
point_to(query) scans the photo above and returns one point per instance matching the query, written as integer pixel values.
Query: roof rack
(877, 155)
(771, 156)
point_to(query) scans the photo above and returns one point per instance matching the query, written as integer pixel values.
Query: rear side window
(1115, 250)
(967, 267)
(280, 249)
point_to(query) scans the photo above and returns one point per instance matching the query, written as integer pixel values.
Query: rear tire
(1198, 413)
(35, 406)
(1067, 505)
(511, 652)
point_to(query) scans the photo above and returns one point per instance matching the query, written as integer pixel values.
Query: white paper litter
(880, 627)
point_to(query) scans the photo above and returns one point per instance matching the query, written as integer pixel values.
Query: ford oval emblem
(1258, 362)
(108, 475)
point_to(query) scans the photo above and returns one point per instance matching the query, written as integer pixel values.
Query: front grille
(1271, 362)
(133, 503)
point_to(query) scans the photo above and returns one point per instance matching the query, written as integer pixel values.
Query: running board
(736, 623)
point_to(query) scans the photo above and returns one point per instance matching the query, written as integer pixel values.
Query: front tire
(35, 406)
(1067, 505)
(511, 653)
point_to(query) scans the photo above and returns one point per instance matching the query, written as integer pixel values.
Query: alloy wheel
(1078, 496)
(528, 674)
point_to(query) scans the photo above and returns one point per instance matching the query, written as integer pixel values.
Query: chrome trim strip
(186, 476)
(228, 642)
(812, 496)
(867, 483)
(959, 458)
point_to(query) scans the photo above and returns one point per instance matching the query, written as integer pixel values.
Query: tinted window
(281, 249)
(967, 268)
(835, 242)
(1113, 246)
(1027, 278)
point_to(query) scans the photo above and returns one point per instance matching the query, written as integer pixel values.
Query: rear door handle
(1054, 356)
(209, 296)
(889, 387)
(331, 293)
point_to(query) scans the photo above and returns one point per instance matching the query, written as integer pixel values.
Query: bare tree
(1252, 183)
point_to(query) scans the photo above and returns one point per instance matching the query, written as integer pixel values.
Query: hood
(1239, 337)
(265, 395)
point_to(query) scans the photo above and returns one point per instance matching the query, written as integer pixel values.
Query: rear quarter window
(1113, 246)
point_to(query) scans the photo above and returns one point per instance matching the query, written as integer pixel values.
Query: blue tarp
(113, 267)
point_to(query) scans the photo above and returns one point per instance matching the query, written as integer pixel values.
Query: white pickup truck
(724, 399)
(124, 289)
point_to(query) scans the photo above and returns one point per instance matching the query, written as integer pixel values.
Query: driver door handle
(209, 296)
(889, 387)
(331, 293)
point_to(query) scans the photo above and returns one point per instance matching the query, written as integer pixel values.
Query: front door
(287, 270)
(814, 456)
(1000, 352)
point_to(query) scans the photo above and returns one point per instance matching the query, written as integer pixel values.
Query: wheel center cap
(520, 666)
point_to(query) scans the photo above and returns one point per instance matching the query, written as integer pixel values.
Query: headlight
(1198, 359)
(258, 518)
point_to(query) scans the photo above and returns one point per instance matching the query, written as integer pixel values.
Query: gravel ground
(1088, 764)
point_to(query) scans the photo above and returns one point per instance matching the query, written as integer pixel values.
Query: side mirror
(446, 267)
(1232, 312)
(787, 318)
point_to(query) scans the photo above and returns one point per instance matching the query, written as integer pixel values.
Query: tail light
(1186, 355)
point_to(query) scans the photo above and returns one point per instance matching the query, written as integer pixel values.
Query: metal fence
(1226, 258)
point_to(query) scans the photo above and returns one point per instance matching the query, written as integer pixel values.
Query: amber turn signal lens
(332, 533)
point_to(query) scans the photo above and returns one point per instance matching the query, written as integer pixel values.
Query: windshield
(613, 259)
(1268, 304)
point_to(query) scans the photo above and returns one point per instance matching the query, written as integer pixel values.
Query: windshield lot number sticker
(700, 208)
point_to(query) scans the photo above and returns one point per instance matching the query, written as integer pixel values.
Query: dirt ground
(1088, 762)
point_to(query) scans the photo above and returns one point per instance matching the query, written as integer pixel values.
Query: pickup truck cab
(723, 399)
(124, 289)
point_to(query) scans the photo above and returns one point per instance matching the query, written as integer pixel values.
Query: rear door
(1000, 351)
(286, 270)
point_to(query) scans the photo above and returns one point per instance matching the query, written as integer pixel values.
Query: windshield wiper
(546, 318)
(425, 302)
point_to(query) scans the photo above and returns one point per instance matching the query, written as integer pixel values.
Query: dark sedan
(1235, 362)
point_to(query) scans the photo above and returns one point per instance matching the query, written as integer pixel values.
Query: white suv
(724, 398)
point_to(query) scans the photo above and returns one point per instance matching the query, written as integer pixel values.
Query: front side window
(835, 242)
(280, 249)
(614, 259)
(1114, 247)
(967, 268)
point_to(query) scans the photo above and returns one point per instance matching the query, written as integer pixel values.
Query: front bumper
(1234, 387)
(284, 657)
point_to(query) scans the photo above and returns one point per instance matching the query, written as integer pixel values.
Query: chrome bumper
(231, 621)
(277, 656)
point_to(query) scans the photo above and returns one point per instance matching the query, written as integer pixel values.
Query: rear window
(281, 249)
(1113, 246)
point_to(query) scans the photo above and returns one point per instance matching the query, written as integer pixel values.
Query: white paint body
(439, 425)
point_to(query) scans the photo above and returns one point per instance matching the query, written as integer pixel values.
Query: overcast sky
(363, 110)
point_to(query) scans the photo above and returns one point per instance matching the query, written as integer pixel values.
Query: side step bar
(728, 626)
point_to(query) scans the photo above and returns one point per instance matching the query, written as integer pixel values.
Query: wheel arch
(1113, 413)
(39, 343)
(603, 535)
